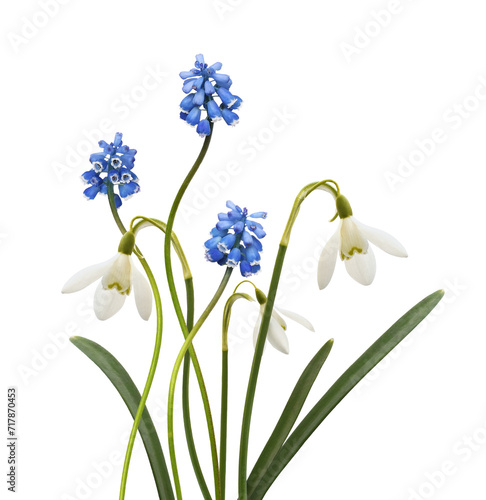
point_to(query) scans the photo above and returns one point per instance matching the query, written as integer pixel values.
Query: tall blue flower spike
(235, 240)
(204, 84)
(113, 165)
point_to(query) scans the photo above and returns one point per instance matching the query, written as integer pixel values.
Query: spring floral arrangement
(235, 242)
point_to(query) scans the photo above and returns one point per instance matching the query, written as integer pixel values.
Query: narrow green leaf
(366, 362)
(289, 415)
(125, 386)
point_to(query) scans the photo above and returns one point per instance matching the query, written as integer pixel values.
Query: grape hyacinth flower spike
(203, 85)
(235, 240)
(113, 165)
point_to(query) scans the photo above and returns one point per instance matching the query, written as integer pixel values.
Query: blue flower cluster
(203, 84)
(232, 241)
(114, 164)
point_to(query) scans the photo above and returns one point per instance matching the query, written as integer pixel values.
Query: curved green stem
(224, 383)
(155, 356)
(172, 385)
(177, 306)
(186, 409)
(242, 282)
(146, 222)
(262, 335)
(142, 223)
(170, 225)
(303, 194)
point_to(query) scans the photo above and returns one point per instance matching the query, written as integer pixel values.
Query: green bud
(343, 207)
(260, 296)
(127, 243)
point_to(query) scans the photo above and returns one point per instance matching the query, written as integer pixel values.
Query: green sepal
(289, 415)
(125, 386)
(349, 379)
(127, 243)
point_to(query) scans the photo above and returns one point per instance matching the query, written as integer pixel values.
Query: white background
(354, 105)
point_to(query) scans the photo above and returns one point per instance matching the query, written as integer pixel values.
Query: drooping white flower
(118, 276)
(277, 329)
(351, 241)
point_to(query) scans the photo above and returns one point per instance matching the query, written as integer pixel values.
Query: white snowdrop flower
(277, 329)
(351, 242)
(118, 276)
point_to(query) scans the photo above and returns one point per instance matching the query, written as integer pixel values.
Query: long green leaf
(289, 415)
(123, 383)
(366, 362)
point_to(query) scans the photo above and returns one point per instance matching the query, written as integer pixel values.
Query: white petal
(276, 316)
(119, 274)
(382, 240)
(297, 318)
(107, 302)
(276, 336)
(87, 276)
(327, 261)
(142, 292)
(362, 267)
(353, 240)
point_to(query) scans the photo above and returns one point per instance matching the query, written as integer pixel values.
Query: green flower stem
(175, 299)
(252, 382)
(145, 222)
(170, 225)
(172, 385)
(186, 409)
(303, 194)
(224, 384)
(262, 335)
(155, 356)
(224, 421)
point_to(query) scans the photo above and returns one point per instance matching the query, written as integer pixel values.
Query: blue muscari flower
(113, 165)
(234, 257)
(227, 243)
(194, 116)
(203, 128)
(204, 84)
(229, 117)
(232, 242)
